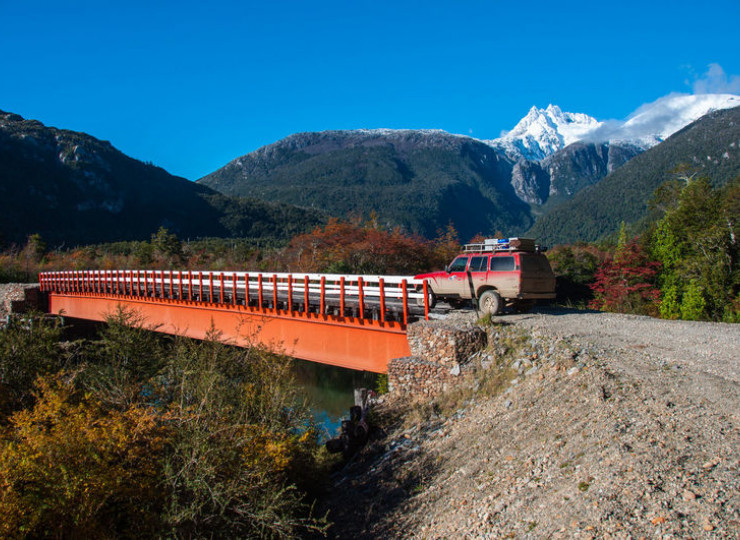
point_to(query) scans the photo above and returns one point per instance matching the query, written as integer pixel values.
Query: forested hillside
(419, 180)
(75, 189)
(709, 147)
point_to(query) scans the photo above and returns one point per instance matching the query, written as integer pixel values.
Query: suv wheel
(431, 298)
(490, 302)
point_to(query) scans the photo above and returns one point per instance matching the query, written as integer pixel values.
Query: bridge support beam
(354, 343)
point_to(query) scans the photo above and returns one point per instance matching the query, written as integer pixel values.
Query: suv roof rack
(502, 244)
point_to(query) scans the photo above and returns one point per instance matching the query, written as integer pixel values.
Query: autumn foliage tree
(626, 282)
(342, 247)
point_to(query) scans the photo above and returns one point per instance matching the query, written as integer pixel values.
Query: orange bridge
(352, 321)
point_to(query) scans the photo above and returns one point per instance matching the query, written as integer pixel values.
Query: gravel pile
(610, 426)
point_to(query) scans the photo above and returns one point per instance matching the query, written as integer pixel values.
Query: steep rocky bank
(572, 425)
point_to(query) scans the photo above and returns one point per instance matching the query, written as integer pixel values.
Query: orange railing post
(361, 297)
(221, 287)
(426, 301)
(405, 295)
(210, 286)
(233, 288)
(260, 296)
(274, 292)
(381, 285)
(305, 295)
(290, 293)
(322, 299)
(341, 296)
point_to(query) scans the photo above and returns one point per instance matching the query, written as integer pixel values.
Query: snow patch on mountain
(543, 132)
(655, 122)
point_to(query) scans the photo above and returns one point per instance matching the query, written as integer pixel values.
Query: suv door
(504, 275)
(478, 269)
(456, 280)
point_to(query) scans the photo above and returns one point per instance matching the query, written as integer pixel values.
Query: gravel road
(708, 347)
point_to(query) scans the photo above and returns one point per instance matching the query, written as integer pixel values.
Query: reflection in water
(330, 391)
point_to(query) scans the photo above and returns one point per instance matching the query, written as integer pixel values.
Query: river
(330, 392)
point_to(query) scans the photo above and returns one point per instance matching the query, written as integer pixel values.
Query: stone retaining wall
(439, 353)
(21, 297)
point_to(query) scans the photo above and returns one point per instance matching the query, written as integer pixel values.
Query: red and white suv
(510, 272)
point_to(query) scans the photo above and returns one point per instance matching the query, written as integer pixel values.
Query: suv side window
(478, 264)
(458, 265)
(502, 264)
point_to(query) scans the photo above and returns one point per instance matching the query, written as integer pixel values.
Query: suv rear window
(502, 264)
(535, 264)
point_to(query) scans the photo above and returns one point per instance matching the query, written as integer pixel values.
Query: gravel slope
(613, 427)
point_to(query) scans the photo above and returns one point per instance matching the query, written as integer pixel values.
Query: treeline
(336, 247)
(137, 435)
(684, 265)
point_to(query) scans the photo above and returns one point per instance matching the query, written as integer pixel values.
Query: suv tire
(490, 302)
(431, 298)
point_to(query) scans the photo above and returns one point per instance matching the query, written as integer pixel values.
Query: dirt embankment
(575, 425)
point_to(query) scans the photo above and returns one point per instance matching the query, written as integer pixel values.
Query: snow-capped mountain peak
(543, 132)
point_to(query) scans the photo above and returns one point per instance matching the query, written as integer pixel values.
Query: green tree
(693, 303)
(28, 349)
(696, 241)
(166, 244)
(35, 248)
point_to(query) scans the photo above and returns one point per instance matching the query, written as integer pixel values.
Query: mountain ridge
(420, 181)
(71, 187)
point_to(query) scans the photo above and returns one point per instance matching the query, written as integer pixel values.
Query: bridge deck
(357, 322)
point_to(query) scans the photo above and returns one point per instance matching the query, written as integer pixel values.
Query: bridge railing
(384, 298)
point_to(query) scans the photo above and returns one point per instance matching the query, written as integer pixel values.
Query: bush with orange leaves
(71, 468)
(146, 436)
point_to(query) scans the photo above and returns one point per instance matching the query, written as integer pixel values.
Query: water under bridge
(352, 321)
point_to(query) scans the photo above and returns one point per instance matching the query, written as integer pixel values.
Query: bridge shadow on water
(329, 391)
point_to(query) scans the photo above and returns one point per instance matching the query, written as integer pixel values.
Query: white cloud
(716, 81)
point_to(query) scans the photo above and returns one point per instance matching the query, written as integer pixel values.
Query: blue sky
(191, 85)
